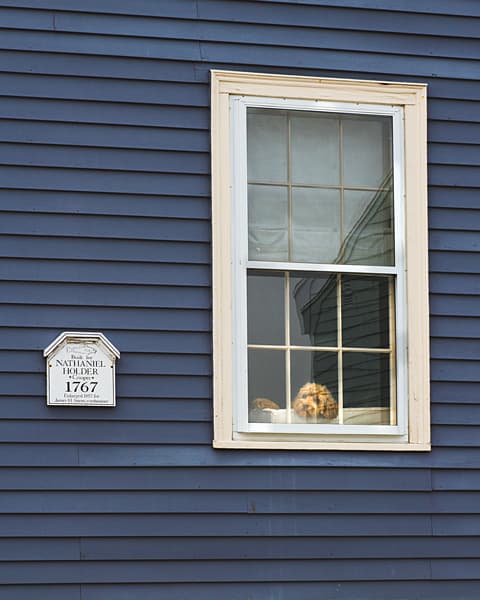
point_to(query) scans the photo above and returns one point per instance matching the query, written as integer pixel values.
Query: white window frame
(232, 93)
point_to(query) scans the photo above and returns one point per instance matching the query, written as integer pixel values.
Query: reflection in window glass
(366, 380)
(313, 310)
(266, 312)
(365, 312)
(368, 228)
(315, 235)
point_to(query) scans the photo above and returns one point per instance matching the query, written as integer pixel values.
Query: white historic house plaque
(81, 370)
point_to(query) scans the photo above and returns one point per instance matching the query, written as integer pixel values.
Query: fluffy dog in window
(314, 400)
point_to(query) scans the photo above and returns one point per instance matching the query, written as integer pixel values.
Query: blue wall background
(104, 130)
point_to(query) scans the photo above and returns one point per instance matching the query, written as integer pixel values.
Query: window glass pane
(365, 312)
(315, 225)
(368, 228)
(314, 381)
(315, 148)
(266, 308)
(313, 310)
(366, 383)
(267, 145)
(367, 151)
(267, 222)
(266, 383)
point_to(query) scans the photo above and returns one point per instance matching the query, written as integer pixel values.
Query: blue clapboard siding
(105, 225)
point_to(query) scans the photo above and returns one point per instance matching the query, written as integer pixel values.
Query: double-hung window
(320, 263)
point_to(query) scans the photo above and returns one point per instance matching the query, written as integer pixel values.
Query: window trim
(412, 99)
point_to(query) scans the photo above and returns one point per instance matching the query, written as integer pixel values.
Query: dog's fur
(314, 400)
(263, 403)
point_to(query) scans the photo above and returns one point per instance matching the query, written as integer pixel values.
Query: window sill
(250, 444)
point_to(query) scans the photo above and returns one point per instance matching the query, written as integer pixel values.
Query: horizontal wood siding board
(226, 571)
(217, 478)
(120, 295)
(462, 372)
(103, 90)
(106, 136)
(258, 548)
(189, 8)
(114, 227)
(34, 592)
(458, 414)
(230, 571)
(458, 305)
(454, 262)
(224, 525)
(456, 436)
(111, 456)
(455, 391)
(111, 67)
(153, 410)
(38, 63)
(397, 590)
(99, 180)
(153, 8)
(462, 349)
(218, 53)
(248, 502)
(267, 548)
(88, 432)
(69, 27)
(96, 272)
(115, 205)
(341, 61)
(129, 409)
(453, 480)
(93, 249)
(466, 241)
(41, 155)
(179, 342)
(464, 7)
(150, 455)
(455, 327)
(462, 283)
(75, 111)
(326, 13)
(459, 218)
(58, 549)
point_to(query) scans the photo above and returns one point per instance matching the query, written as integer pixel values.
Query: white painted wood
(321, 268)
(411, 319)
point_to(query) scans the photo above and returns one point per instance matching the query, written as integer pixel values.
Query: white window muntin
(239, 239)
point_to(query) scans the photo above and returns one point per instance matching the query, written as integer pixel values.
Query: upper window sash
(238, 148)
